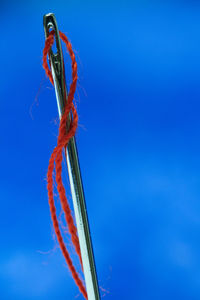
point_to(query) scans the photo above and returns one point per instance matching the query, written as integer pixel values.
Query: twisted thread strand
(56, 160)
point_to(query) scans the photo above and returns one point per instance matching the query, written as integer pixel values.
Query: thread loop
(56, 161)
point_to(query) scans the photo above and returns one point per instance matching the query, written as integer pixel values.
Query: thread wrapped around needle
(56, 158)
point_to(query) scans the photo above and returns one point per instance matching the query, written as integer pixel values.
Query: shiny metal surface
(57, 67)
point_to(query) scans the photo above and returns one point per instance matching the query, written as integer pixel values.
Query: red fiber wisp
(56, 161)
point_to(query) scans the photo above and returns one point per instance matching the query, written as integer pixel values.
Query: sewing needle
(58, 72)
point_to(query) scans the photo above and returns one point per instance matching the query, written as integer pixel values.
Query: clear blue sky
(138, 100)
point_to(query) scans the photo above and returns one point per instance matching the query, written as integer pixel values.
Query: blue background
(139, 146)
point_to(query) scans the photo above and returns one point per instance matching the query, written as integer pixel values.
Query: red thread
(56, 160)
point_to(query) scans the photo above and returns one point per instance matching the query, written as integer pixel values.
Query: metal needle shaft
(57, 68)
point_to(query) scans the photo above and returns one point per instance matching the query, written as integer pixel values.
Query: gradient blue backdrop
(139, 146)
